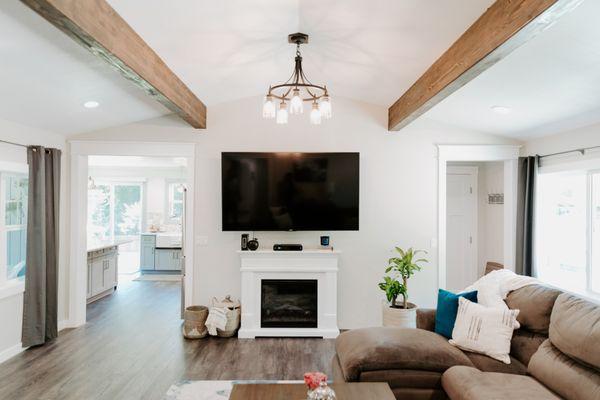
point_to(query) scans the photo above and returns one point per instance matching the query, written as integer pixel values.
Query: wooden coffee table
(297, 391)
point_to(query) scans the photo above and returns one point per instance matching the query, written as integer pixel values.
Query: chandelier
(295, 91)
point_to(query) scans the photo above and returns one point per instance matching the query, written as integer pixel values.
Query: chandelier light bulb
(296, 103)
(269, 108)
(282, 113)
(325, 107)
(315, 115)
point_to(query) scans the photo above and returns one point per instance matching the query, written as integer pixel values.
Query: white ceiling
(224, 50)
(552, 83)
(368, 50)
(45, 77)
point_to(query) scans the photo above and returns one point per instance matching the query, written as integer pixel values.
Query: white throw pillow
(484, 330)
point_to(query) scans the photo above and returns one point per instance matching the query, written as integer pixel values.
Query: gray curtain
(41, 275)
(526, 186)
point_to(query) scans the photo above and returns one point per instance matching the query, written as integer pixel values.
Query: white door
(461, 227)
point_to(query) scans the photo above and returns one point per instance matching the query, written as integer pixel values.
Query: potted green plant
(395, 283)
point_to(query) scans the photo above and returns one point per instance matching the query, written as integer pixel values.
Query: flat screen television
(290, 191)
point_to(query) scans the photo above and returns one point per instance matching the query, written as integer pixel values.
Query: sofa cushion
(447, 307)
(404, 378)
(488, 364)
(426, 319)
(386, 348)
(535, 303)
(524, 344)
(564, 375)
(464, 383)
(575, 329)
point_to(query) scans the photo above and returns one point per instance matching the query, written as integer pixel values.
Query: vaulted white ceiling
(225, 50)
(551, 83)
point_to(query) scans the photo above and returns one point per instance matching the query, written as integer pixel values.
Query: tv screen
(290, 191)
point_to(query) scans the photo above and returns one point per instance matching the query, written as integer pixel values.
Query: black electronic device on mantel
(287, 247)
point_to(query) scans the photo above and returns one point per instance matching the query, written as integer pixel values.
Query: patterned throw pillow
(484, 330)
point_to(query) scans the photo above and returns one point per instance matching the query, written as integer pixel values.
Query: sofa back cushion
(535, 303)
(575, 329)
(564, 375)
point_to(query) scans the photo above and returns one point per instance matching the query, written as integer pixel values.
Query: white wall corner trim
(11, 352)
(480, 153)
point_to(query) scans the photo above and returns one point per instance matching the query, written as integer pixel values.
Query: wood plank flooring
(132, 348)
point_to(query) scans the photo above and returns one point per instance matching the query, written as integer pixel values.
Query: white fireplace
(289, 293)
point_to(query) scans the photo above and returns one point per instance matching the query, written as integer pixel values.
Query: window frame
(19, 170)
(170, 201)
(590, 168)
(111, 183)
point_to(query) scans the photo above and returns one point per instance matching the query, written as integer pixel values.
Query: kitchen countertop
(95, 246)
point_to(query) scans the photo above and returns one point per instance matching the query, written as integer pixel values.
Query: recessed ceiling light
(501, 110)
(91, 104)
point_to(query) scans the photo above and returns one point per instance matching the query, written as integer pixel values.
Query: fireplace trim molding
(321, 265)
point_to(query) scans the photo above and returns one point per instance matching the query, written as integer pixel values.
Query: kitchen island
(102, 268)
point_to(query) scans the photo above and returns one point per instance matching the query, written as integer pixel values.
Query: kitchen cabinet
(147, 252)
(168, 259)
(102, 268)
(160, 252)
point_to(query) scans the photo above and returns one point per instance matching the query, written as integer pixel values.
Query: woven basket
(194, 319)
(233, 316)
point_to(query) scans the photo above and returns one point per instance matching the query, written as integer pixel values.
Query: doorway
(506, 157)
(461, 228)
(127, 225)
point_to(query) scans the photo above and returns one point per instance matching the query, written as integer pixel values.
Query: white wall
(398, 192)
(11, 308)
(588, 136)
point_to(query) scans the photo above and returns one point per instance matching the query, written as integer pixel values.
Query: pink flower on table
(313, 379)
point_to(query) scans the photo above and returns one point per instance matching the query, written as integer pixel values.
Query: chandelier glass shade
(289, 97)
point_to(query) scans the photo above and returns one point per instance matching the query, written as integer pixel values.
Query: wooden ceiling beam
(96, 26)
(504, 26)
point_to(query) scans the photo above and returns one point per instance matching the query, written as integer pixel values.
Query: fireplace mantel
(320, 265)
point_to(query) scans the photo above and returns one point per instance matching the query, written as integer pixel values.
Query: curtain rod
(13, 143)
(582, 151)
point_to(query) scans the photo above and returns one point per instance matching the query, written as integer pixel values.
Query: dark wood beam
(96, 26)
(504, 26)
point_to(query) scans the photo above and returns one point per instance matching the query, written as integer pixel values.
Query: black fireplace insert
(289, 303)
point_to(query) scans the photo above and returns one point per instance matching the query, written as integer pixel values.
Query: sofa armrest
(426, 319)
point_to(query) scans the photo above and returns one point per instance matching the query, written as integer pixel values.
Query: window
(13, 224)
(568, 231)
(114, 211)
(175, 202)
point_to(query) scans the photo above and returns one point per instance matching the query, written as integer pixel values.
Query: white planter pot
(399, 317)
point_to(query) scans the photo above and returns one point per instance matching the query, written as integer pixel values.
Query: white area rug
(207, 390)
(159, 277)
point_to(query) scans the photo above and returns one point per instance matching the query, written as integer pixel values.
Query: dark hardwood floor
(132, 348)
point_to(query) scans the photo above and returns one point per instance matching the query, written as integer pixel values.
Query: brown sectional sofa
(555, 354)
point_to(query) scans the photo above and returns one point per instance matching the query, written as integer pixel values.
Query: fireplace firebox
(289, 303)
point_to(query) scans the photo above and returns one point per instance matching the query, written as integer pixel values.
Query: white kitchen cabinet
(102, 272)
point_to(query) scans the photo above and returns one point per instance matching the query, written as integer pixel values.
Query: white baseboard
(11, 352)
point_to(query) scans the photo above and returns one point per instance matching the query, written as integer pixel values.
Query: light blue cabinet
(168, 259)
(158, 259)
(147, 250)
